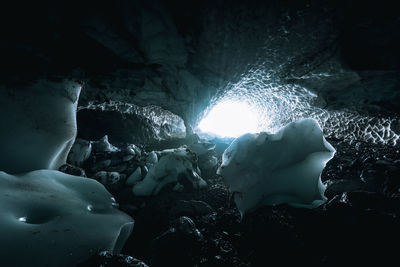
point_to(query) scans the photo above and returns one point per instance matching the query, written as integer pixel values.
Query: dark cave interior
(119, 92)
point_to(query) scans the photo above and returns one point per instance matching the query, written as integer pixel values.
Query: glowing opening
(230, 119)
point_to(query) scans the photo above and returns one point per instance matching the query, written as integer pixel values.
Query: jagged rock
(129, 123)
(106, 258)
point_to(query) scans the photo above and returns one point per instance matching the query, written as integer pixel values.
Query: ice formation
(270, 169)
(172, 164)
(41, 125)
(49, 218)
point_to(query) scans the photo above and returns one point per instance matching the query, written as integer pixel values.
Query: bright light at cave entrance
(230, 119)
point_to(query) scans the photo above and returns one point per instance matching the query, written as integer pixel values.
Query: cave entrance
(230, 118)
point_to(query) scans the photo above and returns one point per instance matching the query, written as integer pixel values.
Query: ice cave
(199, 133)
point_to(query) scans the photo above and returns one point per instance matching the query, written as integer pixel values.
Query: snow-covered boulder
(103, 145)
(172, 165)
(270, 169)
(49, 218)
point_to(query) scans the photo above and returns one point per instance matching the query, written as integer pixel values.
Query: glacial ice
(49, 218)
(271, 169)
(39, 123)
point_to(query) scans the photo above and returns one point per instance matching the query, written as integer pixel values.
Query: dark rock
(101, 165)
(391, 185)
(337, 187)
(106, 258)
(73, 170)
(186, 226)
(107, 178)
(179, 246)
(190, 208)
(113, 181)
(117, 168)
(369, 201)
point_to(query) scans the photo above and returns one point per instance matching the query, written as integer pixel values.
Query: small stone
(72, 170)
(133, 150)
(107, 178)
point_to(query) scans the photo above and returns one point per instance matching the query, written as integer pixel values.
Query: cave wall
(184, 56)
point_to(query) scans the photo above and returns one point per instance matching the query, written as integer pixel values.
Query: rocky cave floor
(358, 224)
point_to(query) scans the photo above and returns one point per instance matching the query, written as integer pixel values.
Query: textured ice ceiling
(336, 61)
(291, 63)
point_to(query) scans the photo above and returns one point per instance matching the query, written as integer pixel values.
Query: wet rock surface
(357, 225)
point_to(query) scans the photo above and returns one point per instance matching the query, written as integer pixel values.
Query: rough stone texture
(129, 123)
